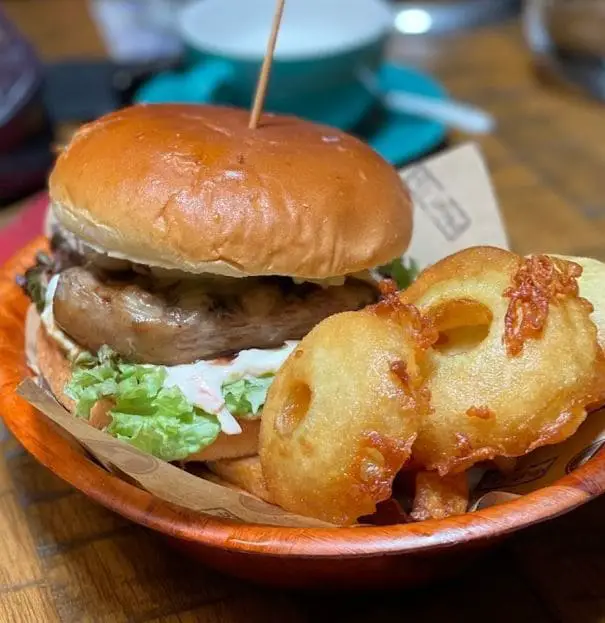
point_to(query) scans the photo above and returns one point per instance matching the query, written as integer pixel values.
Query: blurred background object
(568, 41)
(101, 55)
(138, 30)
(79, 90)
(187, 50)
(446, 16)
(25, 131)
(324, 48)
(320, 48)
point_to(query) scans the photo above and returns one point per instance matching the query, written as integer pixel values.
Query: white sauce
(200, 382)
(48, 320)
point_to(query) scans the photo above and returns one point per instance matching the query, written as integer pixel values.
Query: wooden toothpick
(263, 79)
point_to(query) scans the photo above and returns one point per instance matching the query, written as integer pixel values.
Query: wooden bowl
(372, 556)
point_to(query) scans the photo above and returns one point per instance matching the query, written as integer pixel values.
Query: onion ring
(438, 497)
(344, 410)
(517, 360)
(592, 288)
(244, 473)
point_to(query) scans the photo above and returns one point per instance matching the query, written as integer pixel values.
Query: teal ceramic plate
(399, 137)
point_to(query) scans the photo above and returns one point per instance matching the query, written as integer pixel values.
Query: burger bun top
(192, 188)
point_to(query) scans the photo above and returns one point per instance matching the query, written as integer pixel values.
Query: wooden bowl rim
(42, 439)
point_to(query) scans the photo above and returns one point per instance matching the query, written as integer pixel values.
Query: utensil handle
(455, 114)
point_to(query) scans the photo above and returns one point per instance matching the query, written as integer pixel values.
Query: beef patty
(149, 320)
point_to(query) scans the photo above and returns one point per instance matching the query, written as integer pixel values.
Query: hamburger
(190, 254)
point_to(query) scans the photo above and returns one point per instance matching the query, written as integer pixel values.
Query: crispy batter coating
(438, 497)
(344, 410)
(539, 282)
(485, 413)
(592, 287)
(517, 360)
(485, 357)
(245, 473)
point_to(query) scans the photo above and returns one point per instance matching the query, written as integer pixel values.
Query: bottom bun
(245, 474)
(231, 446)
(56, 371)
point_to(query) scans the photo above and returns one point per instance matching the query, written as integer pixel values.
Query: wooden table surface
(63, 558)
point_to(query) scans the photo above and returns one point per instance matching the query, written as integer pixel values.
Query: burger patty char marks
(153, 321)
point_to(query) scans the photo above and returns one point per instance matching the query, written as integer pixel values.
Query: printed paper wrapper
(543, 466)
(455, 207)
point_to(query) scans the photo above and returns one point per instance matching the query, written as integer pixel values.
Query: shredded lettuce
(147, 415)
(402, 274)
(245, 397)
(157, 419)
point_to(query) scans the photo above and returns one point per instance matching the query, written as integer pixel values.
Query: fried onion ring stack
(487, 355)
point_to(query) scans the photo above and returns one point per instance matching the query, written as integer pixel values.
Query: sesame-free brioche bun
(190, 187)
(56, 371)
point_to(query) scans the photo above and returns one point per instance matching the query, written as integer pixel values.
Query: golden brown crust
(486, 402)
(231, 446)
(191, 187)
(55, 369)
(438, 497)
(464, 264)
(339, 423)
(245, 474)
(540, 281)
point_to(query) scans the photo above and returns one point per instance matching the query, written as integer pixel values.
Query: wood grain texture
(71, 560)
(30, 603)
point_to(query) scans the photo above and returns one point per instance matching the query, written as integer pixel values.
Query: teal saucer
(398, 137)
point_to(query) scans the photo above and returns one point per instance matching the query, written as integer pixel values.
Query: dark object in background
(78, 91)
(34, 99)
(567, 43)
(25, 132)
(82, 90)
